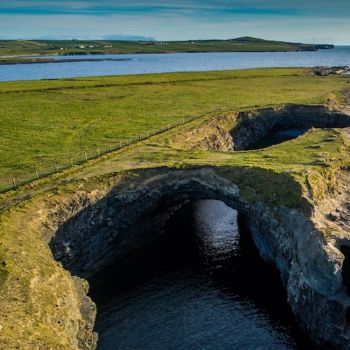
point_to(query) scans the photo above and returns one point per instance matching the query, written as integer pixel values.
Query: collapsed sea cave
(183, 235)
(252, 130)
(267, 127)
(128, 223)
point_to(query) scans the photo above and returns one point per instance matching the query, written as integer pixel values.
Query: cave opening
(277, 136)
(346, 268)
(265, 128)
(346, 275)
(201, 283)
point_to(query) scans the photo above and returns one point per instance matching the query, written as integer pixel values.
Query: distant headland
(14, 48)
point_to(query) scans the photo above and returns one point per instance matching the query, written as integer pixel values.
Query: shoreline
(44, 60)
(35, 59)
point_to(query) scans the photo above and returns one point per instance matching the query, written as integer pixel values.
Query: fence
(17, 181)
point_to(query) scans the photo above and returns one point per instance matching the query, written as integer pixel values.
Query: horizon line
(145, 39)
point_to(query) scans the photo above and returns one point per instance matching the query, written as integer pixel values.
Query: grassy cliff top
(47, 123)
(62, 47)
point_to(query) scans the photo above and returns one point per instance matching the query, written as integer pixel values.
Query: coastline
(44, 60)
(36, 59)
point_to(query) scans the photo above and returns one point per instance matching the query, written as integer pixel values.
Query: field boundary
(18, 181)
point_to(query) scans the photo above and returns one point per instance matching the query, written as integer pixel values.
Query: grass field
(48, 122)
(62, 47)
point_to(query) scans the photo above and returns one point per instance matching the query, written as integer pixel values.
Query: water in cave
(201, 286)
(275, 137)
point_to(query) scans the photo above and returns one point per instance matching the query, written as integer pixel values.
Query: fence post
(98, 152)
(86, 157)
(110, 148)
(14, 182)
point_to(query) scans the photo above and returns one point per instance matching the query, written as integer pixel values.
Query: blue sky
(319, 21)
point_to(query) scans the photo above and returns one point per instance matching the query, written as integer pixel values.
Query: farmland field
(55, 120)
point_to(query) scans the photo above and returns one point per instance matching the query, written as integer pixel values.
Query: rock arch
(135, 211)
(120, 222)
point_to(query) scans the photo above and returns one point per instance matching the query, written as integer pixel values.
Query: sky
(309, 21)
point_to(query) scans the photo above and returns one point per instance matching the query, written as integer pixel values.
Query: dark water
(202, 286)
(182, 62)
(276, 137)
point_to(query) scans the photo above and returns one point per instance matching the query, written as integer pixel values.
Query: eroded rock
(133, 213)
(238, 131)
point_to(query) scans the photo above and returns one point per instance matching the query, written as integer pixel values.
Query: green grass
(54, 47)
(48, 122)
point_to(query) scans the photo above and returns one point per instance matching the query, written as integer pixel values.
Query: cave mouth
(275, 137)
(346, 269)
(346, 275)
(201, 284)
(272, 126)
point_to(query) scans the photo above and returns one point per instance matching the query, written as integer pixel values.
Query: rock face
(252, 126)
(116, 223)
(237, 131)
(131, 215)
(215, 135)
(310, 267)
